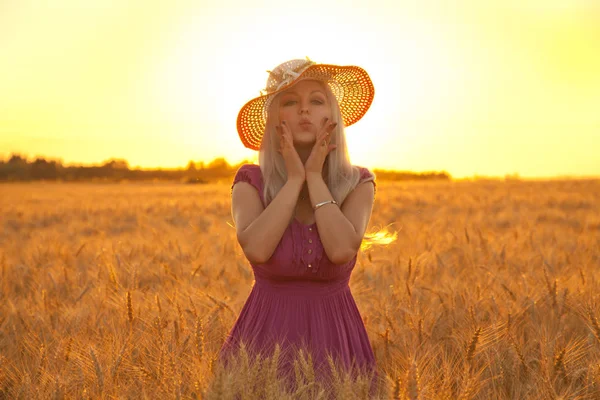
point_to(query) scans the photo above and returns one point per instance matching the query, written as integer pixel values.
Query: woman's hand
(293, 163)
(322, 147)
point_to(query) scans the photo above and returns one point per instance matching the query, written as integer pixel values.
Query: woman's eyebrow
(292, 92)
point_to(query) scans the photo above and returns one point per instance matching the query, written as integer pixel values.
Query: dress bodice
(300, 253)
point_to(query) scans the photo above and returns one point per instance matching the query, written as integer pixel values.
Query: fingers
(331, 147)
(323, 138)
(285, 136)
(327, 125)
(280, 134)
(326, 128)
(285, 131)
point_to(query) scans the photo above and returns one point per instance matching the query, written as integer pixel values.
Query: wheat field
(128, 291)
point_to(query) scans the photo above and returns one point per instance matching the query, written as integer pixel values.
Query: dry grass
(128, 291)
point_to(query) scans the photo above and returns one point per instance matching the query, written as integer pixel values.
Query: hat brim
(351, 85)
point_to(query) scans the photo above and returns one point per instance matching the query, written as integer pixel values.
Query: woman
(301, 215)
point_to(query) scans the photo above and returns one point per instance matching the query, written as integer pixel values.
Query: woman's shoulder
(365, 173)
(249, 167)
(248, 173)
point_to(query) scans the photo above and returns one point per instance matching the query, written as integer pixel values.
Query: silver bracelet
(323, 203)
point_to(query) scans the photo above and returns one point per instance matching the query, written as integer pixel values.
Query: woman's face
(303, 107)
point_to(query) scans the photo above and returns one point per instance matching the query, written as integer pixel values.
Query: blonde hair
(341, 177)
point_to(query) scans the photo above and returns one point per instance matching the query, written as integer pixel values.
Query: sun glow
(456, 87)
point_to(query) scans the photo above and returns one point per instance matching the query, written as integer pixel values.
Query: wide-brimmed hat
(351, 86)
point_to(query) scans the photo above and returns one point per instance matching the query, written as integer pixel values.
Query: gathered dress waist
(296, 287)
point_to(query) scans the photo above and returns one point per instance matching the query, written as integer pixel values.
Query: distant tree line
(18, 168)
(387, 175)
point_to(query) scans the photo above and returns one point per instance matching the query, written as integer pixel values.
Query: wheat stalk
(112, 275)
(212, 363)
(408, 273)
(582, 275)
(471, 348)
(199, 335)
(469, 388)
(510, 292)
(129, 308)
(298, 374)
(118, 361)
(147, 375)
(158, 304)
(180, 316)
(397, 393)
(594, 323)
(98, 369)
(134, 278)
(307, 366)
(173, 376)
(559, 362)
(413, 384)
(386, 340)
(176, 332)
(271, 384)
(79, 250)
(161, 366)
(515, 346)
(334, 373)
(193, 308)
(43, 359)
(66, 277)
(565, 306)
(45, 300)
(158, 325)
(472, 314)
(68, 349)
(552, 288)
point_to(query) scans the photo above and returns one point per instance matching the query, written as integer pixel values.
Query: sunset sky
(468, 87)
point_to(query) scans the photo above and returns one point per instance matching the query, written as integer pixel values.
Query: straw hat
(351, 86)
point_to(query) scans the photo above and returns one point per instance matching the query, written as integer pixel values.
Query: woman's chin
(305, 139)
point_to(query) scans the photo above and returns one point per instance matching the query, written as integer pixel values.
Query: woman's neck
(304, 152)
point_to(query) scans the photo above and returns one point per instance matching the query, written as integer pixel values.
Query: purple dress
(301, 299)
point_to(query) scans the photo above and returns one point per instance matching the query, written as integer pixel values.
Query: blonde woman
(301, 215)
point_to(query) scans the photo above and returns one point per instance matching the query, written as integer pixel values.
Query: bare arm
(341, 229)
(260, 229)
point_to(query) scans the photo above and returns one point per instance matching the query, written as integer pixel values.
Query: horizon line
(514, 174)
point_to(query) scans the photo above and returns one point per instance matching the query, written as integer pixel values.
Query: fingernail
(282, 122)
(334, 125)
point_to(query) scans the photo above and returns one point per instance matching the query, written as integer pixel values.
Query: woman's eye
(292, 102)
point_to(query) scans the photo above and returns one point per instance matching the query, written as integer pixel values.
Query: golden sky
(468, 87)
